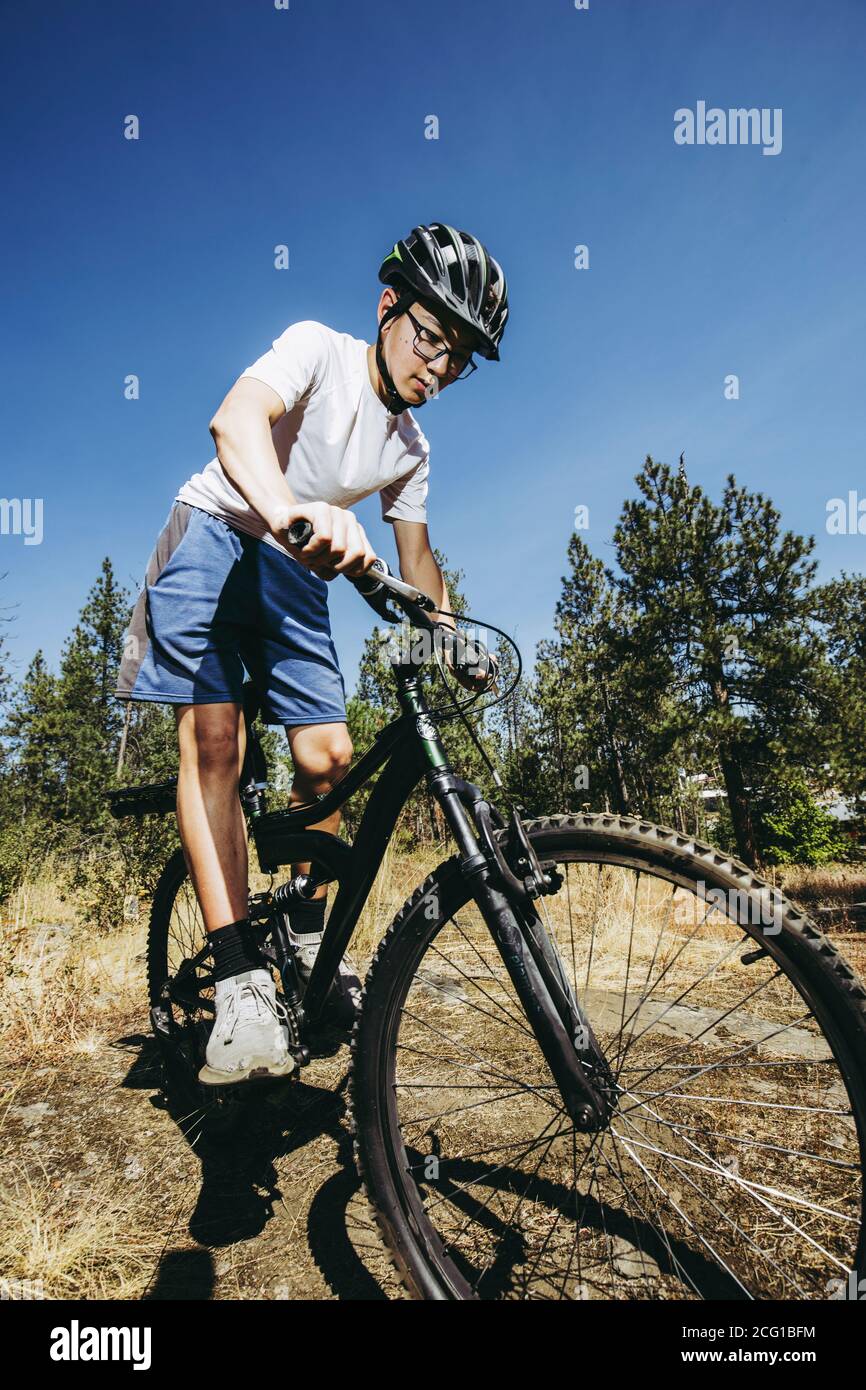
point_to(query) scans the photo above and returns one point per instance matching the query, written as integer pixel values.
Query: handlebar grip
(300, 531)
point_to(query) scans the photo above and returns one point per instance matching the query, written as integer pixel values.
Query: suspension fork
(567, 1005)
(523, 879)
(527, 970)
(530, 959)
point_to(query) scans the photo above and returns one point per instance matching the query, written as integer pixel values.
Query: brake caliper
(538, 878)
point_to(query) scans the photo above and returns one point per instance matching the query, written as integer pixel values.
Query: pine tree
(5, 677)
(34, 735)
(92, 719)
(841, 613)
(32, 775)
(512, 726)
(722, 604)
(590, 622)
(607, 735)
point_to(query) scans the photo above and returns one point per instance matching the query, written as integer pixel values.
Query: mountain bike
(595, 1059)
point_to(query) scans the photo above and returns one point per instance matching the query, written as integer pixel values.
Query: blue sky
(306, 127)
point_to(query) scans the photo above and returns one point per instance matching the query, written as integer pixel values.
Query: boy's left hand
(473, 678)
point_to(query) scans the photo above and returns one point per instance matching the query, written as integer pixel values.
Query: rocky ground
(110, 1191)
(140, 1200)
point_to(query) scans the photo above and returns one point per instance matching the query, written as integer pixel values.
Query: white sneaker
(250, 1032)
(343, 1003)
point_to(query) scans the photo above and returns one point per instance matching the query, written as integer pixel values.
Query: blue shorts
(215, 601)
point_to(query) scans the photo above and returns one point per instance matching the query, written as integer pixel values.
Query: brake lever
(366, 585)
(458, 646)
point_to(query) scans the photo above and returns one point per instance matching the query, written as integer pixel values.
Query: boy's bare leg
(212, 741)
(322, 755)
(213, 832)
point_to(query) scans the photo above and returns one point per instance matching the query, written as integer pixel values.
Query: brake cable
(443, 713)
(406, 596)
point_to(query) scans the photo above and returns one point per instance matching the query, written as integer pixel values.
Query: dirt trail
(109, 1194)
(273, 1213)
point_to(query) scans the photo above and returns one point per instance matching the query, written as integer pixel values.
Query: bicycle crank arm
(583, 1104)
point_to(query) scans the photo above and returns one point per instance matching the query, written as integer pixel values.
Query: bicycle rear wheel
(732, 1164)
(175, 936)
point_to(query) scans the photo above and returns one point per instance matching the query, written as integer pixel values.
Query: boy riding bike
(317, 423)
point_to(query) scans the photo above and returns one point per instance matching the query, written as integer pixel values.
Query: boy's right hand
(338, 544)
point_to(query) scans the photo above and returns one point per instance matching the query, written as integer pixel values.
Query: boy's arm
(418, 566)
(241, 430)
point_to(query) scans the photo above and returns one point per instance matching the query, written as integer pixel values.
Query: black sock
(307, 916)
(235, 950)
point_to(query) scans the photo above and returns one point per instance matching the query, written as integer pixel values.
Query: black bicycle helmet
(449, 268)
(455, 270)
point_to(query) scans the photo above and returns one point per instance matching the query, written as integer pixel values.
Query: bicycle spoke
(727, 1100)
(671, 963)
(683, 1194)
(541, 1138)
(429, 983)
(754, 1190)
(462, 1109)
(472, 1052)
(712, 1066)
(675, 1003)
(716, 1255)
(757, 1143)
(644, 996)
(663, 1231)
(512, 1018)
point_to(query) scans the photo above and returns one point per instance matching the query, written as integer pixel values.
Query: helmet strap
(395, 402)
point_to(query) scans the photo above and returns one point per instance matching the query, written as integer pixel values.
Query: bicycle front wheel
(732, 1164)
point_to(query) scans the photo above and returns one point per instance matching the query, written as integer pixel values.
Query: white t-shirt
(336, 443)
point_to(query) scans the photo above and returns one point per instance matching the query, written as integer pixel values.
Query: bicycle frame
(283, 837)
(406, 750)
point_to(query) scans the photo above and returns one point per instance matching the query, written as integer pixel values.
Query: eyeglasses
(430, 347)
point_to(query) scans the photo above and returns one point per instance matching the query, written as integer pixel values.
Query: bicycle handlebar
(300, 532)
(416, 604)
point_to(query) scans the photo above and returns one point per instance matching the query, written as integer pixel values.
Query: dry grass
(63, 984)
(64, 989)
(85, 1229)
(835, 883)
(41, 900)
(88, 1235)
(830, 893)
(399, 875)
